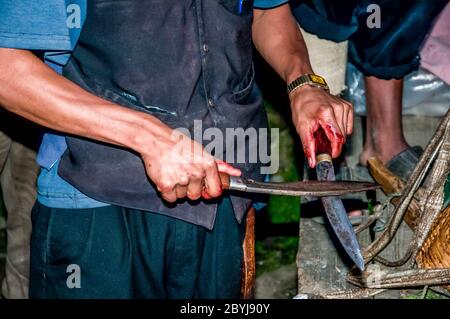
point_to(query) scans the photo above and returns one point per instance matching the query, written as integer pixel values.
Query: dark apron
(177, 60)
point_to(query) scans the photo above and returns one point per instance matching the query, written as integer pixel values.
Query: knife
(334, 207)
(324, 187)
(306, 188)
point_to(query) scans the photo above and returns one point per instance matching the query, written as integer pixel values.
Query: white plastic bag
(423, 93)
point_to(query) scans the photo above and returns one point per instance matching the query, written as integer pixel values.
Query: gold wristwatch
(308, 79)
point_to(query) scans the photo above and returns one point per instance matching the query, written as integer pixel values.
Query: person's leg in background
(384, 133)
(19, 141)
(385, 54)
(17, 179)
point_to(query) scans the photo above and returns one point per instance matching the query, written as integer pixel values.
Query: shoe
(404, 162)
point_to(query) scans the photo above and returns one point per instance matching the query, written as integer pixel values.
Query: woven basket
(435, 252)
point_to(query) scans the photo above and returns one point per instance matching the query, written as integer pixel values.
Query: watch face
(310, 79)
(317, 79)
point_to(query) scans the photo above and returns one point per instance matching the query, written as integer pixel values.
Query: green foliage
(430, 295)
(370, 207)
(283, 209)
(275, 252)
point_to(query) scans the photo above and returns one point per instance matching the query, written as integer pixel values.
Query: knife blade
(306, 188)
(334, 207)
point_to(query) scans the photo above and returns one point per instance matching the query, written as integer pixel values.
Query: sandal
(404, 163)
(401, 165)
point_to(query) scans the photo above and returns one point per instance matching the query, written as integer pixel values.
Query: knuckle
(183, 181)
(338, 106)
(198, 174)
(325, 110)
(301, 125)
(347, 106)
(214, 192)
(181, 195)
(165, 186)
(193, 195)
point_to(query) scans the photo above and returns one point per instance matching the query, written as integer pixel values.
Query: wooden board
(322, 268)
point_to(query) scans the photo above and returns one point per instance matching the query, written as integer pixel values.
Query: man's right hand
(180, 167)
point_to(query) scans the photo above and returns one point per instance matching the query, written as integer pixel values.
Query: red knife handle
(323, 145)
(224, 180)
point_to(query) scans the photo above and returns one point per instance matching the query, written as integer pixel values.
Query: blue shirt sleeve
(267, 4)
(34, 25)
(50, 25)
(53, 26)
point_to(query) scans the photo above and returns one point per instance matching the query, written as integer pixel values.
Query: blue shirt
(54, 26)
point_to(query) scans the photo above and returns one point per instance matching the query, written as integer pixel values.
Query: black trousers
(114, 252)
(390, 50)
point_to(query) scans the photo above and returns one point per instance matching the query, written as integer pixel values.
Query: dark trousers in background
(389, 50)
(114, 252)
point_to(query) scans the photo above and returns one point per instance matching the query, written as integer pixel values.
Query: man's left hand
(313, 108)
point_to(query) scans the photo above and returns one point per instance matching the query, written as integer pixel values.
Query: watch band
(308, 79)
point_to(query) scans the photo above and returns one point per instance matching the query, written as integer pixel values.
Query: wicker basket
(435, 252)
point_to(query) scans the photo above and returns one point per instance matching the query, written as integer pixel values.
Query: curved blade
(338, 218)
(306, 188)
(343, 229)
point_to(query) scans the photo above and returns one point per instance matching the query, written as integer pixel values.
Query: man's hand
(278, 38)
(313, 108)
(180, 168)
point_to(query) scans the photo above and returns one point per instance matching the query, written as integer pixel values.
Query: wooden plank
(393, 184)
(322, 268)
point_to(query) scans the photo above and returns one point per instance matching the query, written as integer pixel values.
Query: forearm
(33, 90)
(177, 167)
(278, 39)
